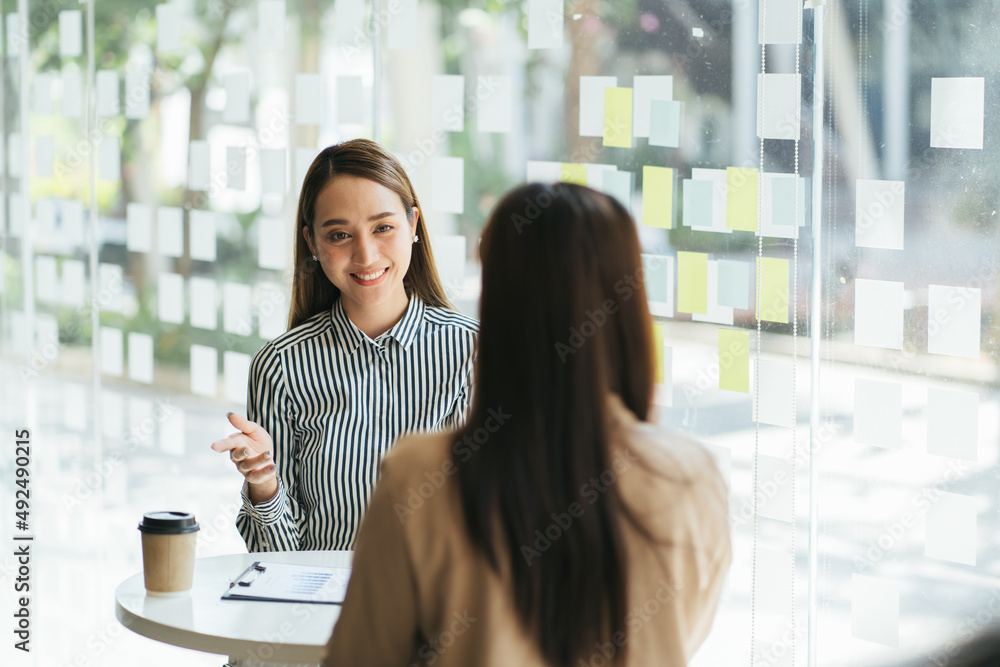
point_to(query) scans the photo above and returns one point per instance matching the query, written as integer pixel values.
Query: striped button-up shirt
(334, 401)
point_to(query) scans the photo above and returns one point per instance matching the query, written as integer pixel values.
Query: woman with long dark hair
(373, 350)
(558, 527)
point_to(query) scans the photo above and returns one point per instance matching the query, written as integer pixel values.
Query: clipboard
(284, 582)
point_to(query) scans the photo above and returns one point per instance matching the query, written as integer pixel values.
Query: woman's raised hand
(251, 450)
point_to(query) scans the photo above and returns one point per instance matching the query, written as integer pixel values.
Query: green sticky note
(734, 360)
(618, 117)
(741, 199)
(692, 282)
(573, 173)
(665, 123)
(658, 349)
(773, 305)
(657, 197)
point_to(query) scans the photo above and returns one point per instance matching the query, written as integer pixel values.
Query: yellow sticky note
(573, 173)
(773, 306)
(734, 360)
(657, 197)
(658, 348)
(618, 117)
(741, 199)
(692, 282)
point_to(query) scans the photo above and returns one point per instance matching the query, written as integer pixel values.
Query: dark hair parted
(552, 257)
(312, 291)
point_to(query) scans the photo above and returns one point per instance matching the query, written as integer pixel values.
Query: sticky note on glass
(875, 610)
(878, 313)
(235, 373)
(778, 106)
(665, 123)
(573, 173)
(73, 282)
(272, 250)
(45, 218)
(780, 22)
(592, 104)
(448, 184)
(170, 298)
(201, 235)
(72, 98)
(110, 159)
(237, 109)
(734, 284)
(112, 286)
(46, 278)
(741, 199)
(657, 197)
(545, 24)
(236, 167)
(951, 529)
(42, 97)
(138, 228)
(953, 424)
(72, 221)
(112, 352)
(698, 203)
(954, 320)
(140, 357)
(271, 25)
(619, 184)
(774, 398)
(350, 100)
(773, 575)
(402, 31)
(198, 166)
(497, 106)
(348, 21)
(308, 99)
(541, 171)
(618, 117)
(70, 34)
(204, 370)
(45, 156)
(879, 214)
(448, 103)
(170, 231)
(107, 93)
(658, 277)
(272, 171)
(236, 308)
(168, 27)
(878, 413)
(692, 282)
(779, 202)
(734, 360)
(715, 312)
(646, 91)
(773, 305)
(137, 91)
(957, 115)
(204, 308)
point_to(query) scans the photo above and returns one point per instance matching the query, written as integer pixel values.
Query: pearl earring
(416, 239)
(314, 258)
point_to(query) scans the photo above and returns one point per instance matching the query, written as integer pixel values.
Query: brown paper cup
(168, 562)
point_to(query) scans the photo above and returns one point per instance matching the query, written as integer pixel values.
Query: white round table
(251, 633)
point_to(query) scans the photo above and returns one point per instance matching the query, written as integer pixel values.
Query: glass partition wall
(813, 190)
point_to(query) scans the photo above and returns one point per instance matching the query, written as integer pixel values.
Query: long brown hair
(564, 321)
(312, 291)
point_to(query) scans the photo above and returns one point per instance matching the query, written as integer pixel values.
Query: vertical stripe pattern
(334, 401)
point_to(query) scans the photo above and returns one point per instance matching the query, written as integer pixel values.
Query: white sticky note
(72, 94)
(70, 34)
(773, 579)
(140, 411)
(780, 22)
(271, 243)
(778, 106)
(204, 370)
(592, 104)
(140, 357)
(953, 424)
(138, 227)
(779, 201)
(774, 486)
(236, 373)
(236, 308)
(449, 254)
(665, 123)
(112, 352)
(46, 278)
(348, 23)
(448, 184)
(42, 97)
(645, 89)
(448, 103)
(953, 320)
(170, 231)
(879, 214)
(545, 24)
(14, 155)
(878, 413)
(45, 156)
(496, 104)
(875, 610)
(199, 166)
(303, 160)
(112, 414)
(172, 433)
(237, 109)
(878, 313)
(73, 283)
(951, 529)
(715, 312)
(236, 167)
(170, 298)
(137, 79)
(75, 400)
(720, 183)
(201, 235)
(112, 287)
(272, 311)
(734, 284)
(658, 277)
(107, 93)
(538, 171)
(72, 221)
(957, 106)
(204, 309)
(402, 30)
(350, 100)
(272, 170)
(620, 185)
(308, 99)
(110, 159)
(168, 27)
(45, 218)
(774, 400)
(271, 25)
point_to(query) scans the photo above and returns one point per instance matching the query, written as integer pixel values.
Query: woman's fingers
(249, 463)
(262, 475)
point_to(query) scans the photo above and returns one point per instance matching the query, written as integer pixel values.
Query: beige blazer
(420, 595)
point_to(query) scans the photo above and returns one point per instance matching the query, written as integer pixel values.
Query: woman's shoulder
(446, 317)
(305, 331)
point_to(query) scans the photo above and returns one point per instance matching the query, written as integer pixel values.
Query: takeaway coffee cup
(168, 540)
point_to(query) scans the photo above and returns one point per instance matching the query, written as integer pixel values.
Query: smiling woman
(373, 350)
